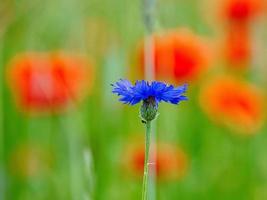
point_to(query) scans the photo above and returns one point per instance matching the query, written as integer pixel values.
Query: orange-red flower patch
(49, 81)
(179, 56)
(241, 11)
(170, 162)
(238, 47)
(233, 103)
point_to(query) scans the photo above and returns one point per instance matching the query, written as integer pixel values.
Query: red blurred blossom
(170, 161)
(49, 81)
(238, 47)
(233, 103)
(241, 11)
(179, 55)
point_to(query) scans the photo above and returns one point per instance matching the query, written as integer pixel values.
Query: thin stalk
(2, 112)
(146, 164)
(149, 63)
(149, 9)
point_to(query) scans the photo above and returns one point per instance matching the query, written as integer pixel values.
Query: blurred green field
(82, 151)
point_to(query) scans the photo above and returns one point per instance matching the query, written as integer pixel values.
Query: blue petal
(124, 89)
(170, 93)
(141, 90)
(133, 94)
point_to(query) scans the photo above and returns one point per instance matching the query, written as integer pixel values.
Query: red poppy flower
(179, 56)
(170, 161)
(241, 10)
(46, 82)
(233, 103)
(238, 47)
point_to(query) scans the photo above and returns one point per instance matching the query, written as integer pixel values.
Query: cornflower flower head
(150, 93)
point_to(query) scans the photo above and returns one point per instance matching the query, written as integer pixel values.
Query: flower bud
(149, 109)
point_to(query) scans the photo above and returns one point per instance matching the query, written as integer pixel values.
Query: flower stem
(149, 24)
(146, 164)
(149, 21)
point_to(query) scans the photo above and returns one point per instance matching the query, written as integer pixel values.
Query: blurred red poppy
(241, 11)
(238, 47)
(179, 56)
(233, 103)
(49, 81)
(170, 162)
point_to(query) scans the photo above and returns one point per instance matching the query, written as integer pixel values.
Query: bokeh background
(64, 135)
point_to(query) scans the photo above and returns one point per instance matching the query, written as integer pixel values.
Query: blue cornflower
(150, 93)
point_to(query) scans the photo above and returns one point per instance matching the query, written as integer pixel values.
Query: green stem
(149, 24)
(149, 21)
(146, 164)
